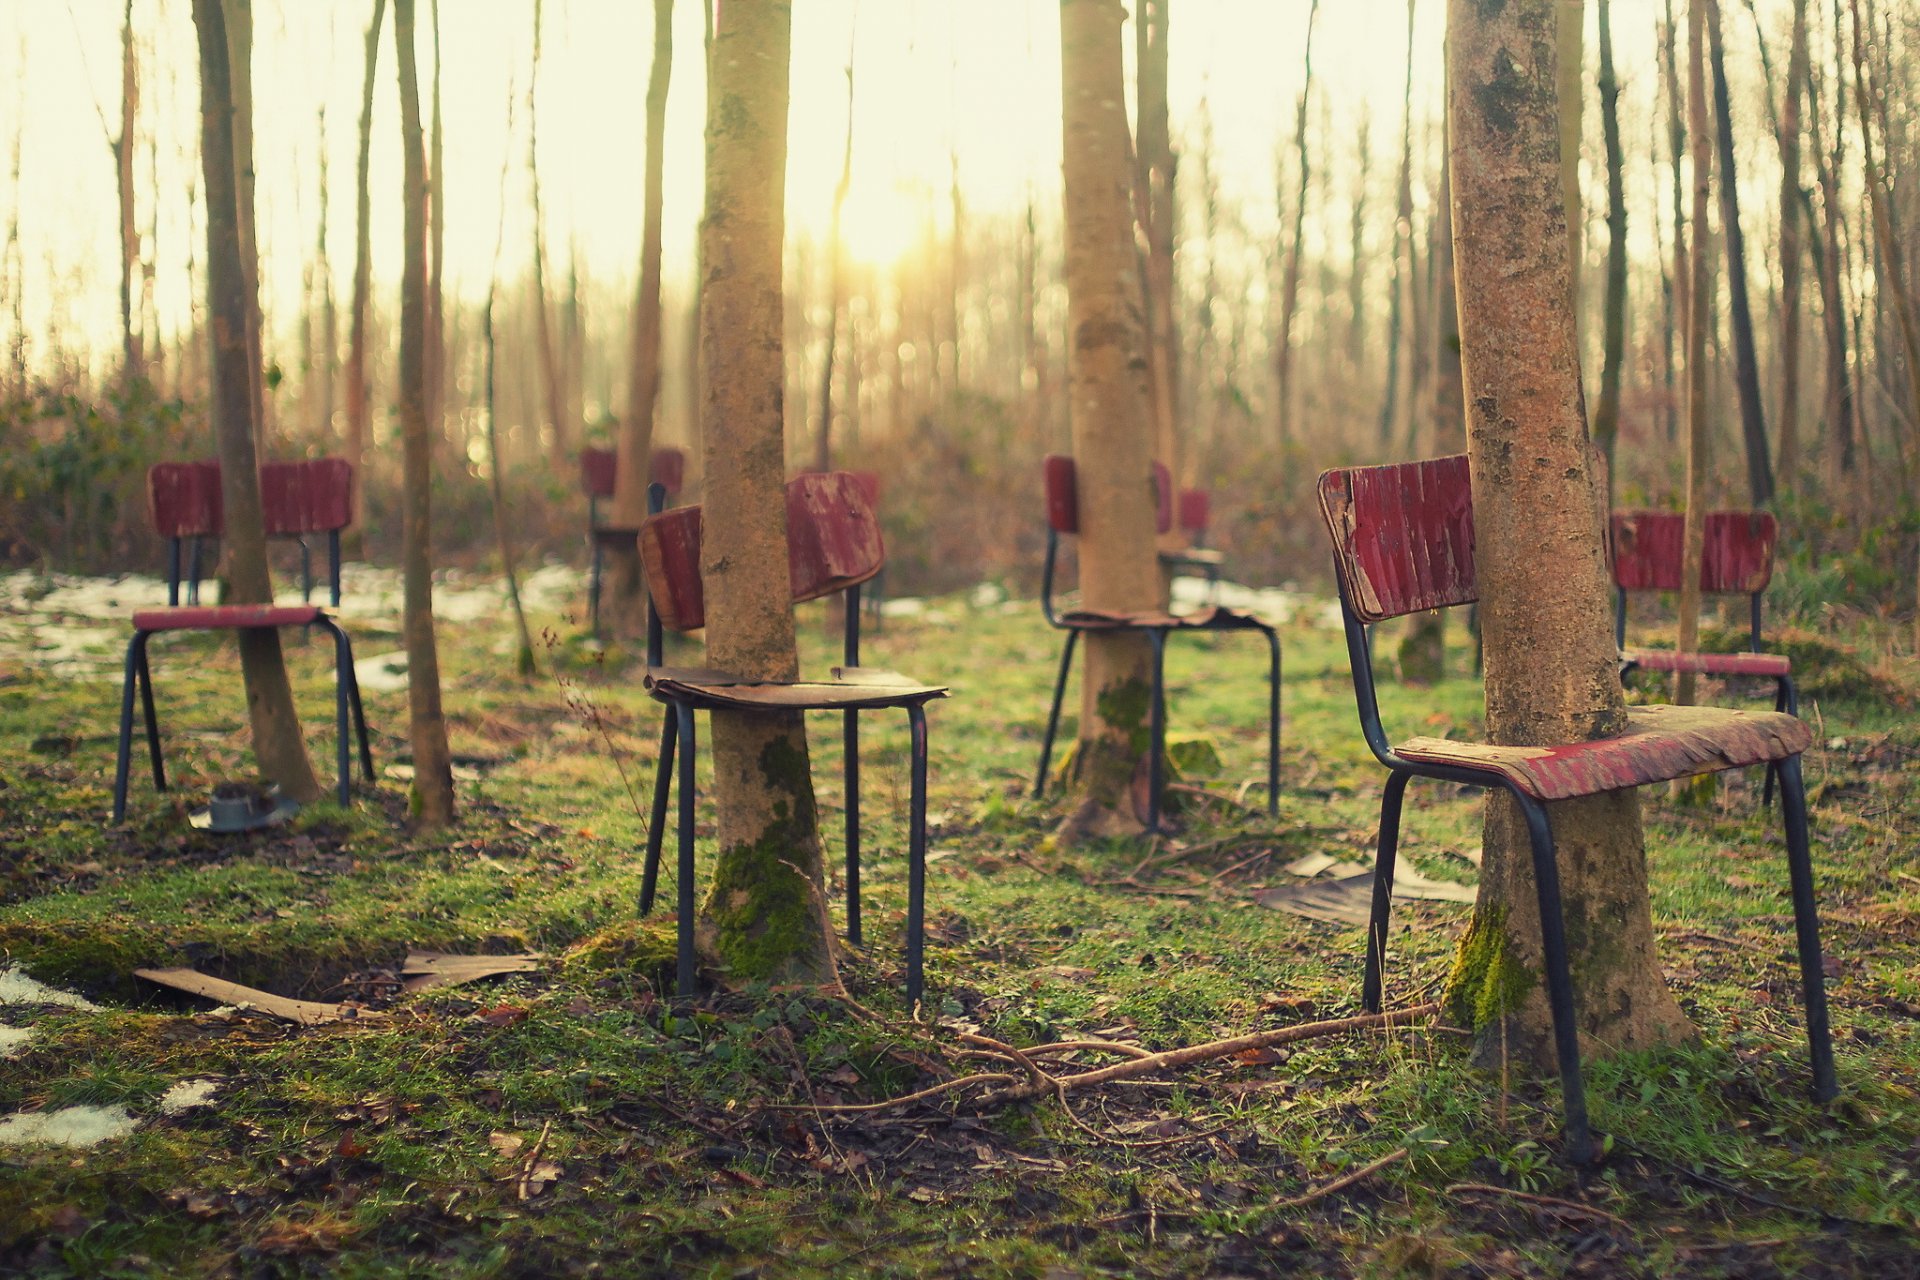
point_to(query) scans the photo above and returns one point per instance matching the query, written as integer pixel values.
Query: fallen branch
(1551, 1203)
(1340, 1183)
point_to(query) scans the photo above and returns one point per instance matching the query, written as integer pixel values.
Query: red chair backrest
(183, 498)
(599, 470)
(1196, 510)
(312, 496)
(1402, 535)
(869, 482)
(833, 542)
(1738, 559)
(1063, 500)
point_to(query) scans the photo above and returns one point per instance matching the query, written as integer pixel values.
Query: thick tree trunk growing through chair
(1570, 93)
(624, 604)
(359, 408)
(1112, 419)
(766, 917)
(427, 725)
(1551, 671)
(277, 744)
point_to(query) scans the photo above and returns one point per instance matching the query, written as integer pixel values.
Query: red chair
(1063, 517)
(598, 472)
(1403, 543)
(309, 497)
(833, 545)
(183, 500)
(1193, 512)
(232, 617)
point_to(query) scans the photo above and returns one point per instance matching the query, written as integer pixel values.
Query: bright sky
(979, 75)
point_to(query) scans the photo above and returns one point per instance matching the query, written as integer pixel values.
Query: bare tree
(1753, 427)
(552, 384)
(836, 255)
(1551, 665)
(1290, 288)
(277, 744)
(1154, 208)
(1792, 245)
(239, 15)
(359, 392)
(1402, 246)
(132, 357)
(427, 724)
(1699, 374)
(1606, 415)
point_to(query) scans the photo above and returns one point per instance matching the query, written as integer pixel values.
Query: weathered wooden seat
(599, 473)
(1063, 517)
(833, 546)
(1403, 543)
(231, 617)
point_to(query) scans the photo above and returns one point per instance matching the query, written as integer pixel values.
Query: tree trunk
(1792, 247)
(1699, 322)
(624, 604)
(359, 392)
(1606, 415)
(132, 358)
(552, 385)
(1838, 398)
(1402, 240)
(1290, 287)
(436, 261)
(765, 919)
(277, 744)
(1357, 235)
(836, 253)
(1570, 93)
(326, 346)
(1753, 427)
(427, 726)
(1112, 419)
(1154, 204)
(1551, 665)
(1676, 151)
(239, 15)
(524, 664)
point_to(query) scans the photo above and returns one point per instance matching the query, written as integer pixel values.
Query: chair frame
(678, 736)
(666, 467)
(1558, 976)
(232, 618)
(277, 528)
(1157, 628)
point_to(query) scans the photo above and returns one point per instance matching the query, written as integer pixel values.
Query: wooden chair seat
(1770, 666)
(226, 617)
(1210, 618)
(1659, 743)
(852, 689)
(1194, 557)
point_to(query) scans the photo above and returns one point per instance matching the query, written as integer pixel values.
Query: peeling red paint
(1063, 499)
(1658, 743)
(598, 468)
(1402, 535)
(226, 617)
(1737, 559)
(1769, 665)
(314, 496)
(184, 499)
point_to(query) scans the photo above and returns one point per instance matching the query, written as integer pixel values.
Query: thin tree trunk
(559, 450)
(1551, 665)
(765, 919)
(1699, 379)
(132, 357)
(320, 372)
(1402, 224)
(1676, 150)
(277, 743)
(624, 604)
(437, 254)
(359, 392)
(1154, 203)
(523, 663)
(1838, 398)
(1892, 260)
(1606, 415)
(1357, 234)
(836, 253)
(432, 802)
(1112, 419)
(239, 15)
(1290, 288)
(1753, 427)
(1792, 246)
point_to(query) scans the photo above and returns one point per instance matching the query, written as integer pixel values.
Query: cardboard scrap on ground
(1349, 899)
(306, 1013)
(424, 969)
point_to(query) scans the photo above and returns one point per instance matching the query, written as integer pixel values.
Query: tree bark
(552, 384)
(1290, 286)
(1676, 151)
(277, 743)
(1154, 198)
(1792, 246)
(624, 604)
(239, 16)
(1753, 427)
(1402, 240)
(436, 261)
(1699, 324)
(133, 364)
(524, 664)
(325, 352)
(1570, 93)
(1838, 398)
(1551, 665)
(359, 392)
(836, 253)
(1606, 415)
(765, 919)
(426, 724)
(1112, 419)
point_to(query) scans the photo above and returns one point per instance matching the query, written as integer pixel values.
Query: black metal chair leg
(333, 565)
(1273, 722)
(193, 574)
(684, 983)
(1553, 938)
(593, 587)
(342, 701)
(306, 572)
(123, 751)
(1157, 730)
(1053, 716)
(853, 826)
(1806, 925)
(1786, 699)
(359, 714)
(1383, 864)
(146, 708)
(173, 572)
(917, 857)
(657, 826)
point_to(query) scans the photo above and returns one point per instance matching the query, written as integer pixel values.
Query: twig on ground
(1340, 1183)
(523, 1185)
(1552, 1203)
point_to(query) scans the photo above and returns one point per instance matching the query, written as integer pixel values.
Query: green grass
(370, 1149)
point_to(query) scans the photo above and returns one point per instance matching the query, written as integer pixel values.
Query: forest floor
(570, 1119)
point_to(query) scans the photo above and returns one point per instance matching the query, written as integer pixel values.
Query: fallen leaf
(503, 1015)
(542, 1175)
(506, 1144)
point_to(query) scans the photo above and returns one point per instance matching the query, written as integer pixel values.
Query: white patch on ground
(382, 672)
(67, 1127)
(17, 988)
(13, 1040)
(188, 1095)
